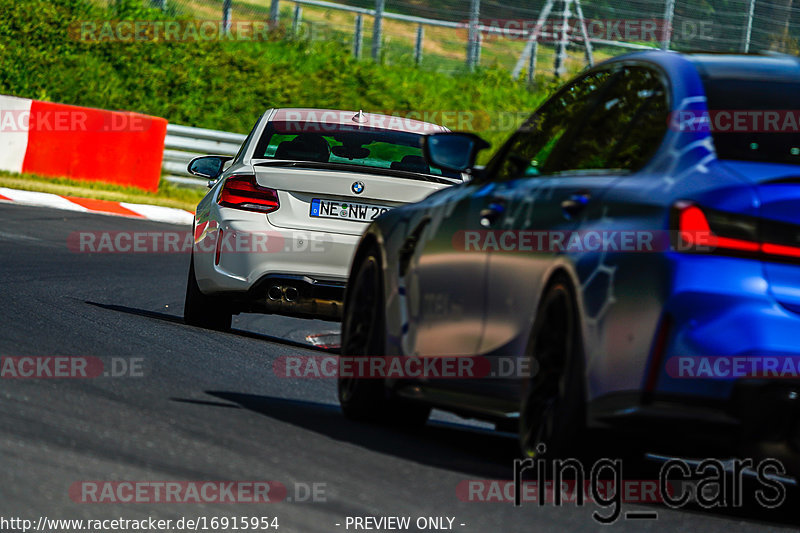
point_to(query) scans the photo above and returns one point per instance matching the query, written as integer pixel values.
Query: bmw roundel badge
(357, 187)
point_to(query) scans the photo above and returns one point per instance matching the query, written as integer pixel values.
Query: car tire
(363, 335)
(204, 311)
(553, 406)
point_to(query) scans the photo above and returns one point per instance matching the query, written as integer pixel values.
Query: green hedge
(222, 84)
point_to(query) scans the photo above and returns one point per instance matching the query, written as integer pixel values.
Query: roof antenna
(359, 117)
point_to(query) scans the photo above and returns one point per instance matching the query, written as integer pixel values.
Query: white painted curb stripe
(14, 124)
(163, 214)
(42, 199)
(155, 213)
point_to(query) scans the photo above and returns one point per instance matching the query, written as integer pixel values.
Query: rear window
(755, 120)
(346, 145)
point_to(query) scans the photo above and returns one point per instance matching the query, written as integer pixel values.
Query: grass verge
(222, 84)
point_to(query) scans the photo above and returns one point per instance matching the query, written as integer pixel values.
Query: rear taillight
(703, 230)
(242, 192)
(728, 232)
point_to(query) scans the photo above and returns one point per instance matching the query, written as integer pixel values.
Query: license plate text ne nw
(346, 210)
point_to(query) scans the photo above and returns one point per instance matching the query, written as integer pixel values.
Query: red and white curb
(104, 207)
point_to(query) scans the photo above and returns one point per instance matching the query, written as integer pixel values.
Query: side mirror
(208, 166)
(453, 151)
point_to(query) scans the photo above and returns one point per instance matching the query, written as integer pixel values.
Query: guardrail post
(274, 13)
(226, 17)
(358, 37)
(418, 47)
(532, 61)
(297, 20)
(377, 29)
(478, 49)
(669, 15)
(559, 68)
(748, 31)
(473, 43)
(587, 43)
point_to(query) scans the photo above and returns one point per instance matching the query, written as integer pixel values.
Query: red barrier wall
(94, 144)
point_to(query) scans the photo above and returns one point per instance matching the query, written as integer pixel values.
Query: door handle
(573, 205)
(406, 251)
(491, 214)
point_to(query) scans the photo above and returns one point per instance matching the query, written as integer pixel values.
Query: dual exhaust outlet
(278, 292)
(299, 296)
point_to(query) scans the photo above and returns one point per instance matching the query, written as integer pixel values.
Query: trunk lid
(329, 189)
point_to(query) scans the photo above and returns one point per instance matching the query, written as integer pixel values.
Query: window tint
(530, 150)
(602, 121)
(754, 120)
(624, 128)
(346, 145)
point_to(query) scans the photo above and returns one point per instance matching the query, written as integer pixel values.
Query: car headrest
(412, 163)
(305, 147)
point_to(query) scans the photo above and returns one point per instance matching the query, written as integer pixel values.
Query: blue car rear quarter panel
(719, 306)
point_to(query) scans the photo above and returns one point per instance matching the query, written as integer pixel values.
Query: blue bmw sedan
(634, 247)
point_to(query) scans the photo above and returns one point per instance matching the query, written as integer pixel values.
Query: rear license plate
(346, 210)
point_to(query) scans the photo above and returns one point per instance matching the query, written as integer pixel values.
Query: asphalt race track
(210, 407)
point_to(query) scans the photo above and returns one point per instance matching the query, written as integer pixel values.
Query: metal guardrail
(696, 25)
(384, 14)
(183, 143)
(476, 30)
(563, 35)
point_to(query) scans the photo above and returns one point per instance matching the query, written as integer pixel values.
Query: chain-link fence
(522, 36)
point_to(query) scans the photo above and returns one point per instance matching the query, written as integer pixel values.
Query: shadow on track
(459, 448)
(179, 320)
(207, 403)
(475, 452)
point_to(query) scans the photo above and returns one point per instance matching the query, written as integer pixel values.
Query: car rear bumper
(724, 328)
(728, 360)
(764, 410)
(244, 248)
(258, 267)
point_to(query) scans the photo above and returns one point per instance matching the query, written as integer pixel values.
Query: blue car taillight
(704, 230)
(242, 192)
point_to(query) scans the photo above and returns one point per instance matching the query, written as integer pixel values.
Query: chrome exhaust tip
(275, 292)
(291, 294)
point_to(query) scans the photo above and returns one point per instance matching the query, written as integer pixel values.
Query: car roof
(356, 118)
(772, 67)
(766, 66)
